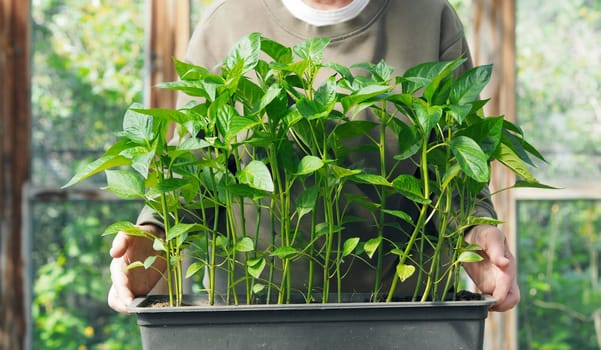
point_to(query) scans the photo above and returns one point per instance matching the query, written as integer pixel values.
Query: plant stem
(383, 196)
(421, 219)
(329, 240)
(432, 280)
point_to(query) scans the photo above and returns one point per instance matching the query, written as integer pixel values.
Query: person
(403, 33)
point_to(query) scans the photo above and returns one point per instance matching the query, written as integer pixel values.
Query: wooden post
(494, 42)
(14, 166)
(169, 32)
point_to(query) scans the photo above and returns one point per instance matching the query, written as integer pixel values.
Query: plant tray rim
(199, 304)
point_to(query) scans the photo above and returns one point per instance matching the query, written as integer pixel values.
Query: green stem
(382, 194)
(329, 242)
(433, 278)
(311, 254)
(420, 221)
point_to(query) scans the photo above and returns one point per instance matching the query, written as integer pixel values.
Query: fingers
(129, 283)
(496, 274)
(120, 295)
(511, 299)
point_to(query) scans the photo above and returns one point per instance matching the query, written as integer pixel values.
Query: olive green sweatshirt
(403, 33)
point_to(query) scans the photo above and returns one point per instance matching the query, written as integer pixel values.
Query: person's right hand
(130, 283)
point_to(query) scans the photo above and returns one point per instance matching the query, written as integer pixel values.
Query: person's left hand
(496, 274)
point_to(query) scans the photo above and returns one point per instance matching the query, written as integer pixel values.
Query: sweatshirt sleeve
(453, 42)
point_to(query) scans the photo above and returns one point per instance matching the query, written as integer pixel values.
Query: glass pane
(70, 264)
(559, 85)
(559, 263)
(88, 59)
(87, 68)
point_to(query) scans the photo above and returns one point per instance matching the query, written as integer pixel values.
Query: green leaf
(150, 261)
(450, 174)
(244, 55)
(255, 266)
(381, 71)
(512, 161)
(437, 90)
(349, 246)
(256, 175)
(469, 257)
(306, 200)
(469, 85)
(486, 132)
(270, 95)
(410, 187)
(340, 172)
(100, 164)
(180, 229)
(165, 114)
(194, 268)
(354, 128)
(482, 220)
(459, 113)
(258, 288)
(246, 244)
(125, 184)
(239, 124)
(168, 185)
(526, 184)
(521, 147)
(158, 245)
(410, 142)
(371, 179)
(311, 49)
(135, 264)
(188, 71)
(422, 75)
(404, 271)
(364, 94)
(322, 104)
(287, 156)
(371, 246)
(471, 158)
(516, 138)
(473, 247)
(121, 226)
(399, 214)
(222, 113)
(192, 144)
(222, 242)
(277, 51)
(343, 70)
(308, 165)
(137, 127)
(284, 252)
(426, 116)
(207, 87)
(141, 162)
(325, 95)
(250, 94)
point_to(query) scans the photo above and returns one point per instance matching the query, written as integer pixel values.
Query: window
(87, 66)
(559, 231)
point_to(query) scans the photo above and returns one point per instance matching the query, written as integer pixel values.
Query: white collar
(316, 17)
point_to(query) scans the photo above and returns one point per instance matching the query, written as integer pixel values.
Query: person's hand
(130, 283)
(496, 274)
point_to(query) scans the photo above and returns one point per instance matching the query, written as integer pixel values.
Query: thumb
(119, 245)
